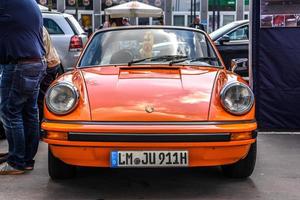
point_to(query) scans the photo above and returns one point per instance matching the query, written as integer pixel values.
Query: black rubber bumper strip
(142, 137)
(254, 134)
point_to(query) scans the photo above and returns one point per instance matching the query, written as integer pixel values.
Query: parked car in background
(150, 96)
(232, 41)
(67, 36)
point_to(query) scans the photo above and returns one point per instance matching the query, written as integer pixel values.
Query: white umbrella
(133, 9)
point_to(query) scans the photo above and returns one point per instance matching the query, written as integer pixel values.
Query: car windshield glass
(75, 25)
(223, 30)
(148, 45)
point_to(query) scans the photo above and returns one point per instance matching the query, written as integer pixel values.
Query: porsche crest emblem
(149, 109)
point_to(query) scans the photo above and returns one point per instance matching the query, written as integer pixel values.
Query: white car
(67, 36)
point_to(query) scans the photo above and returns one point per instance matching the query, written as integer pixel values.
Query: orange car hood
(147, 93)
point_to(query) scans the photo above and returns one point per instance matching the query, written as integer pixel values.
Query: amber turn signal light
(57, 135)
(241, 136)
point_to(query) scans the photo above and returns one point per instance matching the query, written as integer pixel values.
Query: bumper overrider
(85, 143)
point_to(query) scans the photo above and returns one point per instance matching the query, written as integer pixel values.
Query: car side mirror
(223, 39)
(240, 66)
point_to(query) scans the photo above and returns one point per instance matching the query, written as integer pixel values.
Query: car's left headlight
(237, 98)
(62, 98)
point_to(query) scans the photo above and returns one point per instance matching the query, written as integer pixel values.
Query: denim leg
(31, 114)
(6, 73)
(31, 128)
(19, 111)
(31, 120)
(11, 105)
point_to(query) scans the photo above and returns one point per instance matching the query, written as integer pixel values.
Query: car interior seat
(122, 56)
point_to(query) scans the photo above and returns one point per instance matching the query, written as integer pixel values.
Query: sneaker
(28, 168)
(3, 155)
(3, 159)
(6, 169)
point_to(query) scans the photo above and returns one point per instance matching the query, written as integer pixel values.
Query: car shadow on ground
(102, 183)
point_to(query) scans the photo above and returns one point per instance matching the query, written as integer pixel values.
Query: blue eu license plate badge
(114, 159)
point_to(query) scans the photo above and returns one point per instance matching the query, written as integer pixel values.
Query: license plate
(149, 159)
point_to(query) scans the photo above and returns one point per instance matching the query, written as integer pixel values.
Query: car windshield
(149, 45)
(224, 30)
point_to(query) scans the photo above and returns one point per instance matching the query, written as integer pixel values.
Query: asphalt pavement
(276, 177)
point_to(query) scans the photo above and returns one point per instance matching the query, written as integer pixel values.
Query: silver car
(67, 36)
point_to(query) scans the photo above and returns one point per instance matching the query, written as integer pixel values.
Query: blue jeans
(19, 88)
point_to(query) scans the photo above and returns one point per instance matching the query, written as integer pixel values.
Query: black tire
(2, 132)
(244, 167)
(58, 169)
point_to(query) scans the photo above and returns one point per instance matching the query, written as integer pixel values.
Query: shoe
(3, 155)
(28, 168)
(3, 159)
(6, 169)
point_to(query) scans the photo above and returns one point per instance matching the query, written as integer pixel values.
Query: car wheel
(2, 132)
(58, 169)
(244, 167)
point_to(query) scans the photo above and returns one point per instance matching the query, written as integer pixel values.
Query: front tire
(58, 169)
(243, 168)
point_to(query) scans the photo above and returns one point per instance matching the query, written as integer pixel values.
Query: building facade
(213, 13)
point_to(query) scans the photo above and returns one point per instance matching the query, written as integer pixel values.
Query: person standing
(125, 22)
(22, 68)
(196, 24)
(53, 66)
(106, 24)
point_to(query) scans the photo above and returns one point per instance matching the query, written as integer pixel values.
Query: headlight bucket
(62, 98)
(237, 98)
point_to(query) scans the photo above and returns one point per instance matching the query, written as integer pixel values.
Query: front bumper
(208, 143)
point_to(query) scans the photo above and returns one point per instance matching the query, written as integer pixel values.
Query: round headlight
(62, 98)
(237, 98)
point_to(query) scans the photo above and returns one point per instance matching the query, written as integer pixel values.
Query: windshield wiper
(155, 58)
(194, 60)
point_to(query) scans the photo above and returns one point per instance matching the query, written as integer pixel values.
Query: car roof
(227, 28)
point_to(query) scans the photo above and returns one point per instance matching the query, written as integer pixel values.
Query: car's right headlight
(62, 98)
(237, 98)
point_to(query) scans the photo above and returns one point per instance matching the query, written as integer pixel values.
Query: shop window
(246, 3)
(190, 20)
(144, 21)
(227, 19)
(178, 20)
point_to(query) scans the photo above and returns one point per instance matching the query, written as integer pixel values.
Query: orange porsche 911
(144, 97)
